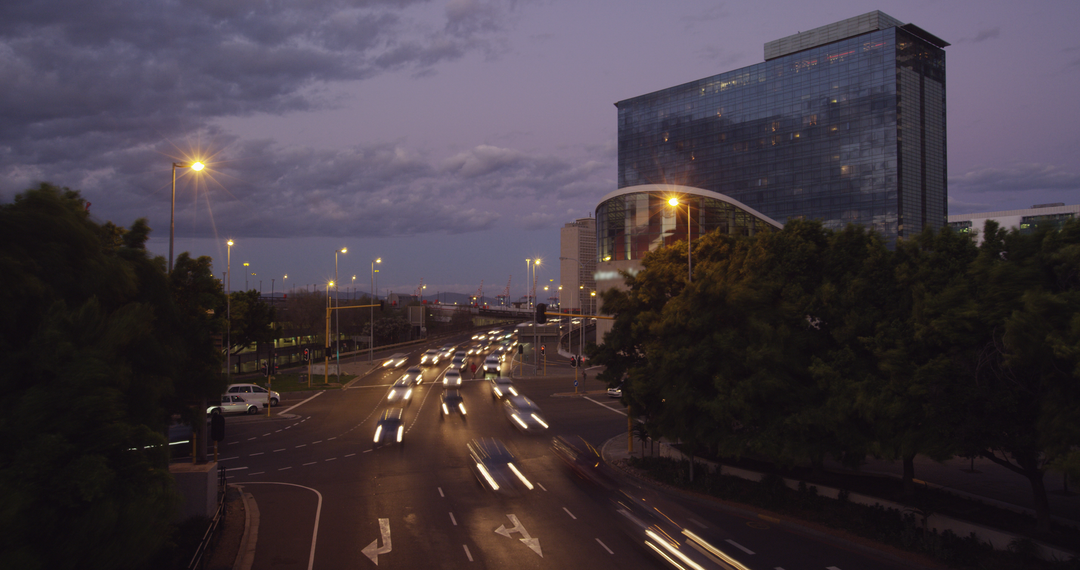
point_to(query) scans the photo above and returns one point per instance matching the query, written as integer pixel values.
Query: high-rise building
(843, 123)
(577, 265)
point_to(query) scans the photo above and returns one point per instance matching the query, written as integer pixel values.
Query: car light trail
(520, 476)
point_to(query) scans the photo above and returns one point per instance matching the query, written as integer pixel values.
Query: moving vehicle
(615, 392)
(453, 403)
(401, 391)
(233, 404)
(415, 374)
(524, 414)
(391, 427)
(452, 377)
(254, 392)
(502, 387)
(493, 465)
(396, 360)
(430, 357)
(492, 364)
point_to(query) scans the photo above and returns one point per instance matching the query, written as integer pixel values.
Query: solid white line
(277, 450)
(469, 555)
(440, 492)
(569, 513)
(605, 406)
(605, 546)
(741, 547)
(318, 514)
(452, 519)
(317, 394)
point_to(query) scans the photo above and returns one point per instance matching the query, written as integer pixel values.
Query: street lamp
(371, 318)
(337, 319)
(228, 315)
(196, 166)
(674, 203)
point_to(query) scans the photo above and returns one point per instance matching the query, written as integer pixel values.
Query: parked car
(254, 391)
(233, 404)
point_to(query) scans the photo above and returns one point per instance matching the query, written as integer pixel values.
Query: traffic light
(265, 369)
(542, 350)
(541, 313)
(307, 355)
(573, 362)
(275, 367)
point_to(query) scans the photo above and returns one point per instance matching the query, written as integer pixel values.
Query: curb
(245, 557)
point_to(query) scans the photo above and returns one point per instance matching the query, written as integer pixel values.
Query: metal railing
(200, 559)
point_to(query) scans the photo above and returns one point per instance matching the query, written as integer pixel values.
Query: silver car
(502, 387)
(254, 392)
(524, 414)
(233, 404)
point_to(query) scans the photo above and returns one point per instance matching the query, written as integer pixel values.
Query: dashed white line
(276, 431)
(251, 438)
(569, 513)
(277, 450)
(257, 473)
(541, 486)
(350, 455)
(265, 434)
(254, 454)
(330, 438)
(440, 492)
(236, 468)
(741, 547)
(284, 468)
(331, 459)
(605, 546)
(301, 445)
(314, 442)
(312, 463)
(452, 519)
(467, 554)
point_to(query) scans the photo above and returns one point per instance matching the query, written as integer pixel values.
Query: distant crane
(479, 295)
(505, 297)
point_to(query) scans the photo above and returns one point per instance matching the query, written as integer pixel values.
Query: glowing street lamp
(228, 314)
(337, 319)
(371, 312)
(196, 166)
(674, 203)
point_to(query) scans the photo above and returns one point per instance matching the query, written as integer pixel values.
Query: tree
(252, 321)
(87, 331)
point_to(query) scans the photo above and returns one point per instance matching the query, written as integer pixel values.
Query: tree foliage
(98, 350)
(807, 344)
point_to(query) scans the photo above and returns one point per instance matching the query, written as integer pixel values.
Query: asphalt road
(328, 500)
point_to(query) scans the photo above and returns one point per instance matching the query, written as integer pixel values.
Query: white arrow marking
(373, 550)
(533, 543)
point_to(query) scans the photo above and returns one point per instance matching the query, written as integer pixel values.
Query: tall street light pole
(371, 318)
(228, 316)
(337, 319)
(674, 202)
(196, 166)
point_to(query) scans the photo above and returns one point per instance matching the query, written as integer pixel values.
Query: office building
(843, 123)
(1031, 220)
(577, 264)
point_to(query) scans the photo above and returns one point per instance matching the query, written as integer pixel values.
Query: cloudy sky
(450, 138)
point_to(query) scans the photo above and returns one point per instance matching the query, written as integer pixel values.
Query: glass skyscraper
(844, 123)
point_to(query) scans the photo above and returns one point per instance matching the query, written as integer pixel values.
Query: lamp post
(674, 203)
(528, 278)
(371, 318)
(337, 319)
(228, 316)
(196, 166)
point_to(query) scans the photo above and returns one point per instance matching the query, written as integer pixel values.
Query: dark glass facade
(848, 132)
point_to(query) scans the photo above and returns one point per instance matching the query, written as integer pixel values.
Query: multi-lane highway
(327, 499)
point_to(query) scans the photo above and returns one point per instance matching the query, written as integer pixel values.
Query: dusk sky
(453, 139)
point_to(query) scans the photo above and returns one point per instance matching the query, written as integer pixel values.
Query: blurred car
(452, 377)
(415, 374)
(447, 351)
(401, 391)
(494, 466)
(233, 404)
(615, 392)
(396, 360)
(474, 348)
(458, 363)
(390, 428)
(502, 387)
(524, 414)
(254, 392)
(430, 357)
(453, 403)
(492, 364)
(586, 461)
(462, 354)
